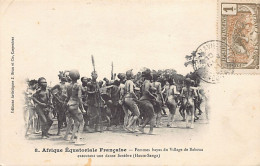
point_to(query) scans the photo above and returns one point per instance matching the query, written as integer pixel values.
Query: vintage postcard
(94, 82)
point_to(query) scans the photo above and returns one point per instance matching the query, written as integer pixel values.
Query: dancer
(75, 106)
(42, 98)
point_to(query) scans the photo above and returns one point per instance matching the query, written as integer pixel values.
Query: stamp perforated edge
(233, 71)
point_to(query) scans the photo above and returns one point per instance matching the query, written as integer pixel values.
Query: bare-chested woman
(188, 94)
(159, 102)
(122, 78)
(147, 102)
(171, 103)
(129, 100)
(75, 106)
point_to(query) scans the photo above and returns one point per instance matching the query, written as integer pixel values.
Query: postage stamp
(239, 33)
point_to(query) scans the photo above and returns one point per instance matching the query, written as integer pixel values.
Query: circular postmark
(207, 61)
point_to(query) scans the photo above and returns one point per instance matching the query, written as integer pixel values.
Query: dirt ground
(118, 136)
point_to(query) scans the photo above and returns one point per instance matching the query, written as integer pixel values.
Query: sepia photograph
(130, 82)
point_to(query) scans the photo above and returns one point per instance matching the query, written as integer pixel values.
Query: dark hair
(100, 83)
(89, 79)
(170, 81)
(41, 78)
(155, 77)
(121, 76)
(82, 78)
(32, 82)
(148, 77)
(116, 82)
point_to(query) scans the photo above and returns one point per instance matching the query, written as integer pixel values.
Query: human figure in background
(205, 100)
(164, 92)
(196, 99)
(122, 79)
(115, 107)
(159, 102)
(85, 81)
(94, 104)
(60, 101)
(188, 94)
(171, 103)
(30, 115)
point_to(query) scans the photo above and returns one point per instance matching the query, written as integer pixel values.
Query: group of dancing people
(94, 106)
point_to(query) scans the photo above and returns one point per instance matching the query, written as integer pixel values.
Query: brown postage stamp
(239, 25)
